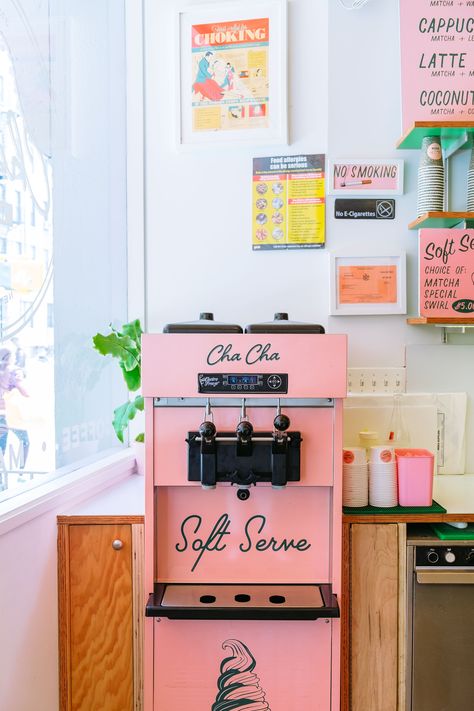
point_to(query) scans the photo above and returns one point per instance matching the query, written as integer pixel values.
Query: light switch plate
(376, 380)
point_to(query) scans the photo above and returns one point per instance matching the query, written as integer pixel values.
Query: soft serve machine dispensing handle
(243, 516)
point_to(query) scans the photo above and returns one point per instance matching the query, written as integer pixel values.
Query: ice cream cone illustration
(239, 687)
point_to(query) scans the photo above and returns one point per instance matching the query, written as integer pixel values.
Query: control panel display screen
(238, 383)
(243, 379)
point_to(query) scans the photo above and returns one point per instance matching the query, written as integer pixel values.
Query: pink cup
(415, 469)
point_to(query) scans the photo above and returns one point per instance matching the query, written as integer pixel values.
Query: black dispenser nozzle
(244, 433)
(207, 433)
(280, 449)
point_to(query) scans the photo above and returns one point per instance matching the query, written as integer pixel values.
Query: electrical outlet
(376, 380)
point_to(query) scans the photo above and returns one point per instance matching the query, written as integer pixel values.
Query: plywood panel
(138, 552)
(374, 617)
(101, 635)
(402, 614)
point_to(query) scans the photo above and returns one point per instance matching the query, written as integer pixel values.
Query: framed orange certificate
(368, 284)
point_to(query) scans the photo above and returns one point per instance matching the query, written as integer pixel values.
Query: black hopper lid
(281, 324)
(205, 324)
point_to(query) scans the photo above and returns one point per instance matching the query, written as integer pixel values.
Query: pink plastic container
(415, 477)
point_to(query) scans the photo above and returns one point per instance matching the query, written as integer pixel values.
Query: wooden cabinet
(375, 617)
(101, 606)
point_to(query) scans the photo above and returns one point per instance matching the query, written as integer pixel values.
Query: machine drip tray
(242, 602)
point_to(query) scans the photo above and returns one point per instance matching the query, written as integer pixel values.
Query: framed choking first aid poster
(368, 285)
(232, 73)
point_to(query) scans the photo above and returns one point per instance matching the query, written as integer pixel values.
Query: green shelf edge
(439, 222)
(414, 138)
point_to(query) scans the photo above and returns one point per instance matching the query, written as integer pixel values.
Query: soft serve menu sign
(437, 54)
(446, 273)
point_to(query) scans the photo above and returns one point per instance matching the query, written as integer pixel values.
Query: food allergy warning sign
(288, 202)
(437, 51)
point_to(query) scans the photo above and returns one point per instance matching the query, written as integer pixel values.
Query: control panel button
(274, 381)
(449, 557)
(432, 557)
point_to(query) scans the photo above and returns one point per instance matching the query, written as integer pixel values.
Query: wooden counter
(373, 603)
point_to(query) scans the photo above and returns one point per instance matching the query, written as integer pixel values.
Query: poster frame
(397, 258)
(277, 132)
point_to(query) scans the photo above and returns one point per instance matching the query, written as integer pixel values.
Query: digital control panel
(444, 556)
(239, 383)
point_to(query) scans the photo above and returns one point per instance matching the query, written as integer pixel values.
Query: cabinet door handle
(117, 544)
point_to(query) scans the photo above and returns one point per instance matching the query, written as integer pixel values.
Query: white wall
(199, 254)
(28, 591)
(28, 613)
(344, 81)
(365, 122)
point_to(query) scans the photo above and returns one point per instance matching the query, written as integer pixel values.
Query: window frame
(83, 481)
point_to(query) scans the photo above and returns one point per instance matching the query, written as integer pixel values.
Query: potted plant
(125, 346)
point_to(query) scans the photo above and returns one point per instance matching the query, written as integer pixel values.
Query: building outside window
(62, 276)
(18, 206)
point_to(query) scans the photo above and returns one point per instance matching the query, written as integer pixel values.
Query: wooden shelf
(438, 321)
(440, 219)
(452, 133)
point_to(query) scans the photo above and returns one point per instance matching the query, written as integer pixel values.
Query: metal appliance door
(443, 641)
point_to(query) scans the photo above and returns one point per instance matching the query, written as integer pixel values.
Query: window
(18, 206)
(59, 158)
(49, 316)
(26, 310)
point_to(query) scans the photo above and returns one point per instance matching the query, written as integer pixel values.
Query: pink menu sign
(446, 273)
(437, 54)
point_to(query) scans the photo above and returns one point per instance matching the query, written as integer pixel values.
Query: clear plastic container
(415, 469)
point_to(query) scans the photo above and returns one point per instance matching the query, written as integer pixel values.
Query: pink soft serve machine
(243, 516)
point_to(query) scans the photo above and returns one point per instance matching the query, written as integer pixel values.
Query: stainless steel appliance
(440, 649)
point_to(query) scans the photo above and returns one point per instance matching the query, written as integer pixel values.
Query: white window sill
(71, 488)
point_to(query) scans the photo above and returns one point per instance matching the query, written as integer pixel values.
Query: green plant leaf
(140, 437)
(125, 413)
(121, 347)
(132, 378)
(134, 331)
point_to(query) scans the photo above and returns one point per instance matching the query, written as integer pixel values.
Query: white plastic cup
(354, 455)
(382, 454)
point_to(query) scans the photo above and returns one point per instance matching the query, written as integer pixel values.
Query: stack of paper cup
(430, 177)
(470, 183)
(355, 477)
(382, 477)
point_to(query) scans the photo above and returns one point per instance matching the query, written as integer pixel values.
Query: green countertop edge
(376, 510)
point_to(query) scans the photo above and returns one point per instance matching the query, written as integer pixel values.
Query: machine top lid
(281, 324)
(205, 324)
